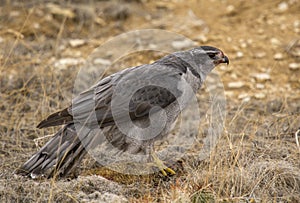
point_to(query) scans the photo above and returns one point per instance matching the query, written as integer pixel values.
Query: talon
(170, 171)
(164, 172)
(163, 168)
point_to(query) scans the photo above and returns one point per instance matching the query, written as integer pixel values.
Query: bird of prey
(141, 91)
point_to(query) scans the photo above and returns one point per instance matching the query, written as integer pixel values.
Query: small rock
(260, 86)
(36, 25)
(77, 42)
(244, 45)
(262, 76)
(59, 11)
(233, 76)
(229, 39)
(296, 23)
(249, 41)
(221, 67)
(230, 9)
(283, 6)
(246, 99)
(270, 22)
(278, 56)
(184, 44)
(202, 38)
(294, 66)
(243, 96)
(283, 27)
(66, 62)
(236, 85)
(101, 61)
(1, 40)
(260, 54)
(229, 93)
(164, 5)
(239, 54)
(260, 95)
(14, 13)
(260, 31)
(275, 42)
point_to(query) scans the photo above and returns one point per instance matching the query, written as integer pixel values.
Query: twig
(36, 140)
(297, 140)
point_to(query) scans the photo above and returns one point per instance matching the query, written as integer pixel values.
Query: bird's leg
(154, 160)
(162, 167)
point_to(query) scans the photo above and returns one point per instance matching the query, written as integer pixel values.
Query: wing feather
(146, 85)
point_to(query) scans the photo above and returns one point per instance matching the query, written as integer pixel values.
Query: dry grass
(257, 157)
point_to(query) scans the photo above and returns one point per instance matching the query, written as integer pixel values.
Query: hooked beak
(221, 58)
(225, 60)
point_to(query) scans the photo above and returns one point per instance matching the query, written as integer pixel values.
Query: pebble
(229, 93)
(77, 42)
(233, 76)
(239, 54)
(283, 6)
(14, 13)
(270, 22)
(260, 95)
(283, 27)
(36, 25)
(246, 99)
(236, 85)
(184, 44)
(260, 55)
(66, 62)
(260, 31)
(296, 23)
(278, 56)
(230, 9)
(275, 42)
(202, 38)
(296, 26)
(243, 96)
(294, 66)
(244, 45)
(262, 76)
(260, 86)
(102, 61)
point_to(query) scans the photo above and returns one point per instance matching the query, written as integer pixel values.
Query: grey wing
(132, 92)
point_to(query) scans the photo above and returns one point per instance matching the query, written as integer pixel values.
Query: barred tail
(58, 157)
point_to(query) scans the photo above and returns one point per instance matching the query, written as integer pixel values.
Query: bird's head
(210, 54)
(214, 54)
(206, 58)
(201, 59)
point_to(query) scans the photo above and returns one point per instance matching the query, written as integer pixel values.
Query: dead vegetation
(257, 157)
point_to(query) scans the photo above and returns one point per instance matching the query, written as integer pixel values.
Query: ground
(257, 156)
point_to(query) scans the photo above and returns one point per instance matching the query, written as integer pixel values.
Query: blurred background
(44, 43)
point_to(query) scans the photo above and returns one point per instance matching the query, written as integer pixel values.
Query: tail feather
(58, 118)
(59, 156)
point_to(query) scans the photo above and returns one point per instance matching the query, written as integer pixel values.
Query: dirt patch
(257, 157)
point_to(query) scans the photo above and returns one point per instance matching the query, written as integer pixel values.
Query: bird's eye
(211, 54)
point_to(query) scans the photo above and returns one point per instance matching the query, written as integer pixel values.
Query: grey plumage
(141, 91)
